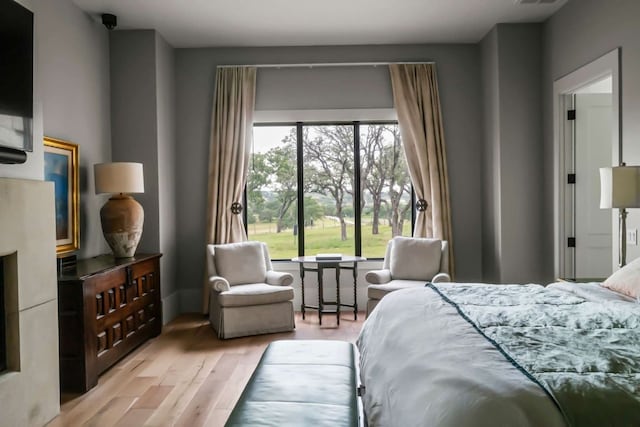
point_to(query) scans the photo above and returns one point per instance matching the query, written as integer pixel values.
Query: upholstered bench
(301, 383)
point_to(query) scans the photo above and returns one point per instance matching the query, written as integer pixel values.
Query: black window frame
(357, 191)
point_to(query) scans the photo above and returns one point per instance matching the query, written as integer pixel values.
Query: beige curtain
(229, 152)
(416, 99)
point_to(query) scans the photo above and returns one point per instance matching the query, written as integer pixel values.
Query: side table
(338, 265)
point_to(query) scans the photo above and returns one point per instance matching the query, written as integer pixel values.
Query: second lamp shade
(620, 187)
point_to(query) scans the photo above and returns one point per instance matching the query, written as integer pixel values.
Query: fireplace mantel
(29, 390)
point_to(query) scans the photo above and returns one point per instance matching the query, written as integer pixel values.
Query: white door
(576, 210)
(593, 135)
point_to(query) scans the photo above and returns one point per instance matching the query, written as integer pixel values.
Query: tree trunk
(377, 203)
(395, 231)
(343, 224)
(395, 215)
(403, 213)
(281, 214)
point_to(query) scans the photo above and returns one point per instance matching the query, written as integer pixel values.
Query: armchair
(246, 296)
(408, 262)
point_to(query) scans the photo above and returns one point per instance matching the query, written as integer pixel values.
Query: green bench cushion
(300, 383)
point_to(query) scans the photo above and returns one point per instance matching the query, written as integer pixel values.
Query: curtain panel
(417, 102)
(229, 153)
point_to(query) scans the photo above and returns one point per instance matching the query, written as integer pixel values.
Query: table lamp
(122, 216)
(620, 188)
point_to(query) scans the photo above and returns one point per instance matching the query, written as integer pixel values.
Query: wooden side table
(337, 265)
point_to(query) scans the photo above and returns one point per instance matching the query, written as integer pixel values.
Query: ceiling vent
(535, 1)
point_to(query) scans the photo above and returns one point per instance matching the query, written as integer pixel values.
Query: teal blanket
(585, 355)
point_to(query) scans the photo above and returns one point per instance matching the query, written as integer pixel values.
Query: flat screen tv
(16, 76)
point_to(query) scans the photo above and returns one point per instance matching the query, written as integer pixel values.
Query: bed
(453, 354)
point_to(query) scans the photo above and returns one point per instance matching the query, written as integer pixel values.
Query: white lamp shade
(119, 177)
(620, 187)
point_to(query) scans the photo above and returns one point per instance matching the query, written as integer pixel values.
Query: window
(272, 190)
(328, 188)
(386, 188)
(352, 179)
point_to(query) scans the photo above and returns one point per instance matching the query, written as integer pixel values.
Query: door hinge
(571, 178)
(571, 114)
(571, 242)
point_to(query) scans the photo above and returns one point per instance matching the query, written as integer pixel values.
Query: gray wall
(459, 81)
(491, 159)
(320, 88)
(143, 129)
(519, 56)
(134, 121)
(576, 35)
(511, 62)
(165, 92)
(71, 96)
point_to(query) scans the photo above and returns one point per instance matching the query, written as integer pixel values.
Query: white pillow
(415, 258)
(626, 280)
(241, 263)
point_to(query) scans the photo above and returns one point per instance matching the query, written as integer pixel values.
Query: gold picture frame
(61, 167)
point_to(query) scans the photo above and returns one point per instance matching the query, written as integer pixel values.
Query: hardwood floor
(186, 376)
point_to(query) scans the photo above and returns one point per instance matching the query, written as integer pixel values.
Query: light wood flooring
(186, 376)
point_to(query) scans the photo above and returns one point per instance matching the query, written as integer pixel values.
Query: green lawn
(323, 237)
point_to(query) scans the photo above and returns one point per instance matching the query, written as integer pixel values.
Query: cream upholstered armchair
(246, 296)
(408, 262)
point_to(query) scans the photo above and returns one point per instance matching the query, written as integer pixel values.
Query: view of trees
(385, 177)
(328, 185)
(328, 168)
(274, 173)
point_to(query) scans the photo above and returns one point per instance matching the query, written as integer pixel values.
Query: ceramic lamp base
(122, 218)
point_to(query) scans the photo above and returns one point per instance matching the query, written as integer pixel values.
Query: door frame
(563, 156)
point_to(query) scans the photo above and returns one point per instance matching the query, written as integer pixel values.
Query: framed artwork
(61, 167)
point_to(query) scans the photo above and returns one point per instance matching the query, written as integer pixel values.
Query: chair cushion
(415, 258)
(255, 294)
(241, 263)
(379, 291)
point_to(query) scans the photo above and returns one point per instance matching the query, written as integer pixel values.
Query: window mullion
(357, 217)
(300, 162)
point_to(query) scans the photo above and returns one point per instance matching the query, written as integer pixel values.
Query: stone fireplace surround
(3, 329)
(29, 389)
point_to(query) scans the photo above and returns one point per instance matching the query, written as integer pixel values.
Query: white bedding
(422, 364)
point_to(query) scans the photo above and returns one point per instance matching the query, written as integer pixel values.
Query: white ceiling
(201, 23)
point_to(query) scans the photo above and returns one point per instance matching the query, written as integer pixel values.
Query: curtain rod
(325, 64)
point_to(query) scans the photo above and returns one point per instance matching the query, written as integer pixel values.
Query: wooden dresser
(106, 308)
